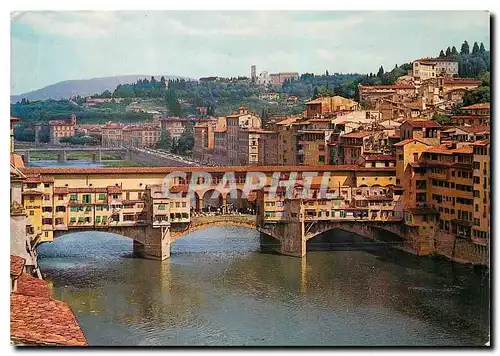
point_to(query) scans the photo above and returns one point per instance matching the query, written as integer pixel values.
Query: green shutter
(97, 219)
(72, 220)
(81, 219)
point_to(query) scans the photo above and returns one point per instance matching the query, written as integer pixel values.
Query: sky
(48, 47)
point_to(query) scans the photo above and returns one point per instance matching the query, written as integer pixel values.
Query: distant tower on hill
(253, 73)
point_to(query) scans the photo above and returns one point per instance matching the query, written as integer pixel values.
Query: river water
(218, 289)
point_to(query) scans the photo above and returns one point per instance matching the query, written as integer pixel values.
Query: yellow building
(329, 105)
(38, 204)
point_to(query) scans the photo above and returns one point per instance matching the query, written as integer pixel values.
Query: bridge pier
(97, 157)
(151, 243)
(128, 154)
(62, 157)
(38, 127)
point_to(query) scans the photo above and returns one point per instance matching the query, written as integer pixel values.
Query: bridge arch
(366, 229)
(202, 222)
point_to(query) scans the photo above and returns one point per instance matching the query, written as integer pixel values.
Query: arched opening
(240, 203)
(340, 240)
(195, 202)
(83, 249)
(212, 202)
(217, 239)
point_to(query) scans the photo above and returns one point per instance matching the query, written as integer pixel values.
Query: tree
(441, 54)
(476, 96)
(165, 141)
(327, 72)
(185, 143)
(454, 51)
(475, 48)
(448, 52)
(441, 119)
(380, 72)
(465, 48)
(481, 48)
(315, 93)
(485, 79)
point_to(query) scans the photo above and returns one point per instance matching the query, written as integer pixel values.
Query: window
(46, 185)
(60, 197)
(46, 221)
(115, 196)
(59, 221)
(183, 204)
(73, 209)
(73, 197)
(47, 209)
(97, 219)
(86, 198)
(32, 212)
(32, 185)
(161, 207)
(102, 196)
(177, 204)
(60, 208)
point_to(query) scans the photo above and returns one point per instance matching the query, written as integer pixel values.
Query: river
(218, 289)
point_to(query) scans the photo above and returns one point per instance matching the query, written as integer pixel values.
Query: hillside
(83, 87)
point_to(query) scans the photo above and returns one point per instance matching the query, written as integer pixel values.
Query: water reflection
(218, 289)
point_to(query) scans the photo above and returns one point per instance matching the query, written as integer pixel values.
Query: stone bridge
(62, 152)
(287, 237)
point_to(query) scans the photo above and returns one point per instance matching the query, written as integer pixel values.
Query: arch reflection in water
(235, 295)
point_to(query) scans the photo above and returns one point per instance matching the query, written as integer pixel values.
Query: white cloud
(69, 24)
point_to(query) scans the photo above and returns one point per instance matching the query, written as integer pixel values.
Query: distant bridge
(62, 152)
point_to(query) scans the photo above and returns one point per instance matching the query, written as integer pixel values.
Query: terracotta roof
(32, 192)
(15, 173)
(461, 81)
(377, 157)
(435, 60)
(422, 123)
(287, 121)
(43, 321)
(179, 189)
(36, 287)
(474, 129)
(409, 140)
(387, 87)
(61, 190)
(87, 190)
(39, 179)
(484, 142)
(114, 189)
(357, 134)
(16, 266)
(16, 160)
(311, 131)
(188, 169)
(477, 106)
